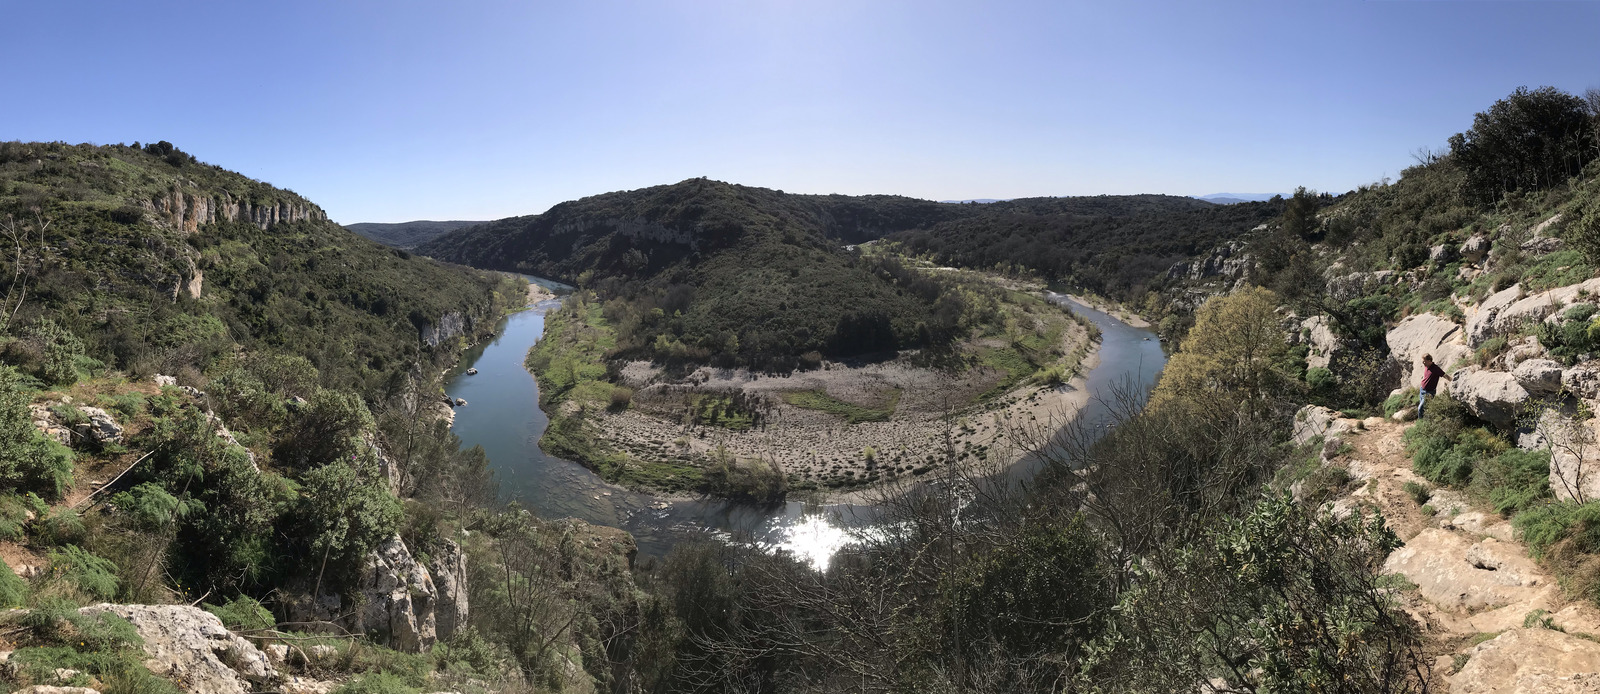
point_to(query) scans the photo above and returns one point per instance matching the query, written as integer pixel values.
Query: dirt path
(1495, 622)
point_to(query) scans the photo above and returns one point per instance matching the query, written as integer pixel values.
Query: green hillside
(159, 263)
(709, 272)
(407, 234)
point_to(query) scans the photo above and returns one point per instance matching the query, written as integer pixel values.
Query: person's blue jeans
(1422, 399)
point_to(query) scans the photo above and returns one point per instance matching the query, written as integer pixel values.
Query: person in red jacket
(1431, 373)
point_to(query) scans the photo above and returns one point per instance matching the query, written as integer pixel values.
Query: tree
(1300, 214)
(1236, 346)
(1528, 140)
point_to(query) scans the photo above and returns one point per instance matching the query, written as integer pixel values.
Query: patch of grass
(1482, 636)
(850, 412)
(1396, 581)
(1406, 399)
(1016, 367)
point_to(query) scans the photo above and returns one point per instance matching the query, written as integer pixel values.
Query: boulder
(101, 428)
(1313, 421)
(1542, 241)
(1475, 248)
(398, 596)
(190, 646)
(449, 568)
(1441, 255)
(1460, 575)
(1540, 377)
(1525, 661)
(1425, 333)
(1523, 350)
(164, 381)
(1494, 396)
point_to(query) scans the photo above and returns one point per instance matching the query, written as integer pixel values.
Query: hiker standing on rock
(1431, 373)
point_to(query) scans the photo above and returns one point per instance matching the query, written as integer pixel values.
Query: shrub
(242, 614)
(621, 398)
(28, 461)
(1516, 480)
(13, 590)
(1405, 399)
(1418, 493)
(377, 683)
(1542, 526)
(82, 573)
(1584, 230)
(61, 527)
(1320, 379)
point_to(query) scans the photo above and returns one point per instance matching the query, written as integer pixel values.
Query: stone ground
(815, 446)
(1475, 585)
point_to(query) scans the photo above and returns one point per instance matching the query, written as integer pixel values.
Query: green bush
(28, 461)
(1320, 379)
(1544, 525)
(61, 527)
(13, 590)
(377, 683)
(14, 512)
(1405, 399)
(83, 573)
(1516, 480)
(243, 613)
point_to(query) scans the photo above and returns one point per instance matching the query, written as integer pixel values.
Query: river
(502, 415)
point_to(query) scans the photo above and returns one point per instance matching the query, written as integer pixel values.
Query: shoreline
(1114, 310)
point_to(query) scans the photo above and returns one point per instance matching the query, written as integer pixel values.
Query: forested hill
(159, 263)
(1115, 245)
(762, 276)
(407, 234)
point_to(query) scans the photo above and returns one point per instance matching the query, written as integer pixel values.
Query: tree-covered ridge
(722, 273)
(159, 263)
(407, 234)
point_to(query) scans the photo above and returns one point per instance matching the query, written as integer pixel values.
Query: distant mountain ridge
(1236, 198)
(407, 234)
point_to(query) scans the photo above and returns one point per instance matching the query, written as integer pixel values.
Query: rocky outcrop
(1313, 421)
(1458, 574)
(1226, 261)
(1425, 333)
(1494, 396)
(1321, 340)
(1442, 255)
(397, 598)
(449, 568)
(449, 325)
(1542, 240)
(187, 208)
(1506, 312)
(45, 421)
(1530, 661)
(101, 428)
(190, 646)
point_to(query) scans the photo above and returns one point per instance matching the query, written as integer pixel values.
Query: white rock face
(449, 325)
(1494, 396)
(398, 598)
(1313, 421)
(1581, 381)
(1457, 574)
(1507, 311)
(190, 646)
(1525, 661)
(1323, 343)
(449, 568)
(1425, 333)
(1540, 377)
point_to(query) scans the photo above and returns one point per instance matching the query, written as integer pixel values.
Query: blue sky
(389, 111)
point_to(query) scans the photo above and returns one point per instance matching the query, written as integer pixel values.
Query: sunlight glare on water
(814, 539)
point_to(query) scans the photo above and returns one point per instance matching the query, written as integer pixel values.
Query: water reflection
(503, 416)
